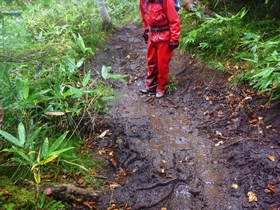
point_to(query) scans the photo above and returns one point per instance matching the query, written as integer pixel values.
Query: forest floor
(207, 145)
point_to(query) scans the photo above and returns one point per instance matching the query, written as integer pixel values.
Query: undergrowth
(245, 47)
(46, 93)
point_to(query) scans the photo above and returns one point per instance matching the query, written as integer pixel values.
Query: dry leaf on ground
(271, 187)
(270, 157)
(114, 185)
(234, 186)
(252, 197)
(103, 134)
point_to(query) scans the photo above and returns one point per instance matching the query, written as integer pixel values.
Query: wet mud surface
(186, 150)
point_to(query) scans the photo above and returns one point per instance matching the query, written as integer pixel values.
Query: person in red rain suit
(161, 25)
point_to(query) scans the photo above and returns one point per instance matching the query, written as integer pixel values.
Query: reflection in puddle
(154, 146)
(205, 170)
(164, 142)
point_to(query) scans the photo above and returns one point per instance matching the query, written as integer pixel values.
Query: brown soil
(186, 150)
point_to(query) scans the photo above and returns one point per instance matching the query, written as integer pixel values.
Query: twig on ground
(231, 143)
(187, 87)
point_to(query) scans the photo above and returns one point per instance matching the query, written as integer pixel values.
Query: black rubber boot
(145, 91)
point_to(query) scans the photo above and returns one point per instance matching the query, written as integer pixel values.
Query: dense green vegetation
(240, 37)
(45, 91)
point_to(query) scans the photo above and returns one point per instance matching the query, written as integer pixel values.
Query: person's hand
(173, 45)
(145, 36)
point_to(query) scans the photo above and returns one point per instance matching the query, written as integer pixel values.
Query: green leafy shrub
(43, 83)
(222, 40)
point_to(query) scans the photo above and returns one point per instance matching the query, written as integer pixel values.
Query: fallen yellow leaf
(234, 186)
(114, 162)
(114, 185)
(163, 161)
(102, 151)
(270, 157)
(252, 197)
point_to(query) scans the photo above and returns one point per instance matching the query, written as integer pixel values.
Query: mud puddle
(181, 171)
(161, 153)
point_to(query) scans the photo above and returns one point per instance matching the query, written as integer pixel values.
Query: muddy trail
(206, 145)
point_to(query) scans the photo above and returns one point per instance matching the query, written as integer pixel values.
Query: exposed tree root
(186, 88)
(161, 184)
(183, 70)
(67, 192)
(159, 201)
(130, 159)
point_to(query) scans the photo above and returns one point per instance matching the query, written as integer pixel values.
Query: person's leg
(152, 76)
(164, 55)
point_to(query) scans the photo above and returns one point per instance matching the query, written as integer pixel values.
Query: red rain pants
(158, 56)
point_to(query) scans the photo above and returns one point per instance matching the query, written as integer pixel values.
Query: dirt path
(164, 153)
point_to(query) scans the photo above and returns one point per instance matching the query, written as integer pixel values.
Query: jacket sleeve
(142, 12)
(174, 20)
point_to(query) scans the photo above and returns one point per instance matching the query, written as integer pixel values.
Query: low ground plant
(172, 83)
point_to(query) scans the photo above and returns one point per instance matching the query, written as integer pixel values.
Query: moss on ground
(12, 196)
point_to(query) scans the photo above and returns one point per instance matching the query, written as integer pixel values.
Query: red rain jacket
(161, 20)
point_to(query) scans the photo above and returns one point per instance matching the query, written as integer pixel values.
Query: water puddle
(205, 170)
(160, 144)
(174, 135)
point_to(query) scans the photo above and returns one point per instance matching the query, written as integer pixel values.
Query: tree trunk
(106, 21)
